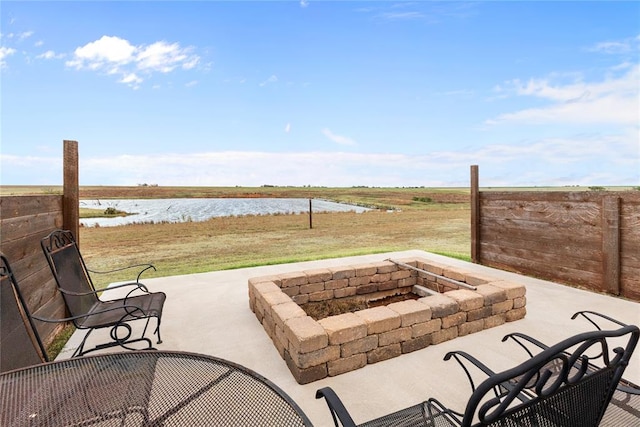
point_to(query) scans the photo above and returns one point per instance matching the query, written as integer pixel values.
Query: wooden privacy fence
(24, 221)
(589, 239)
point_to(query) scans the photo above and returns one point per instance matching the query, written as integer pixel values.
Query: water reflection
(183, 210)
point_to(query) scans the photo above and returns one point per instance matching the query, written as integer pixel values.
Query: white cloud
(164, 57)
(25, 35)
(617, 47)
(113, 55)
(338, 139)
(613, 100)
(402, 15)
(132, 80)
(287, 128)
(304, 3)
(107, 50)
(587, 159)
(272, 79)
(4, 53)
(50, 54)
(612, 159)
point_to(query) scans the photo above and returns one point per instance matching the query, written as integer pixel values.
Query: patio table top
(143, 388)
(223, 325)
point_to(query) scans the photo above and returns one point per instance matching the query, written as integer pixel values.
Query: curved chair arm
(82, 316)
(522, 340)
(587, 315)
(499, 390)
(624, 385)
(461, 357)
(449, 414)
(138, 285)
(338, 411)
(146, 267)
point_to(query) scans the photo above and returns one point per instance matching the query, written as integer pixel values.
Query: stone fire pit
(315, 349)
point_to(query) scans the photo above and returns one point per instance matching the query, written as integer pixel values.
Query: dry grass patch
(236, 242)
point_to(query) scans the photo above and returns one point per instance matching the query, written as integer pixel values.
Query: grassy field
(435, 220)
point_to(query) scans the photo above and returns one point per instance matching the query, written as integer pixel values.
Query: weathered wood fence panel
(630, 247)
(24, 221)
(587, 238)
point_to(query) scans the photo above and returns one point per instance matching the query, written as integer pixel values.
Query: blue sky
(328, 93)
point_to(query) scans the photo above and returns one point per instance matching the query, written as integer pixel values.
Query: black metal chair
(90, 312)
(625, 403)
(20, 344)
(561, 386)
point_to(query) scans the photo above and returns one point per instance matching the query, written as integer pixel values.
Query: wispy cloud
(402, 15)
(429, 12)
(616, 47)
(612, 100)
(4, 53)
(338, 139)
(113, 55)
(287, 128)
(25, 35)
(594, 159)
(271, 80)
(50, 54)
(18, 36)
(304, 3)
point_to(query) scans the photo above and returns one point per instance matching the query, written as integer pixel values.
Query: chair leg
(157, 331)
(80, 350)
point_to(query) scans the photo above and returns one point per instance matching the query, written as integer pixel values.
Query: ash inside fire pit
(322, 309)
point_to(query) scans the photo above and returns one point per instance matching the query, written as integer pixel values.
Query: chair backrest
(562, 385)
(20, 344)
(69, 271)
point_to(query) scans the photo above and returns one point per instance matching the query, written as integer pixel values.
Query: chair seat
(421, 415)
(150, 305)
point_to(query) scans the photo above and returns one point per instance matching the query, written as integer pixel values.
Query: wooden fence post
(611, 244)
(71, 189)
(475, 215)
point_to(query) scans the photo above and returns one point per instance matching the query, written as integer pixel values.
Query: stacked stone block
(316, 349)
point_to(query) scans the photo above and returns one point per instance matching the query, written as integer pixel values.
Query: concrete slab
(209, 313)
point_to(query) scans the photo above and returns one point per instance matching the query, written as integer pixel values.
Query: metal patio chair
(20, 344)
(557, 387)
(90, 312)
(625, 403)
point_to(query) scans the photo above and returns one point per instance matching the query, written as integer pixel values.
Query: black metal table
(144, 388)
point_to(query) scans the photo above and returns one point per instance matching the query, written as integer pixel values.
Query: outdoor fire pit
(375, 312)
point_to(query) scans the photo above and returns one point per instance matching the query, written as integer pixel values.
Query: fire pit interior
(330, 321)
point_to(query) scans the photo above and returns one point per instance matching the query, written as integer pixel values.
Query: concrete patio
(209, 313)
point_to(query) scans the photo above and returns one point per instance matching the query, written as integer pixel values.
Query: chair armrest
(146, 267)
(78, 294)
(129, 310)
(338, 411)
(461, 357)
(589, 314)
(138, 285)
(450, 415)
(499, 390)
(522, 340)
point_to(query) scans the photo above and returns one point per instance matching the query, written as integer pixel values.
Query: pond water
(183, 210)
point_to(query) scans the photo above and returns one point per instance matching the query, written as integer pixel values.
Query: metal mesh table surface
(145, 388)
